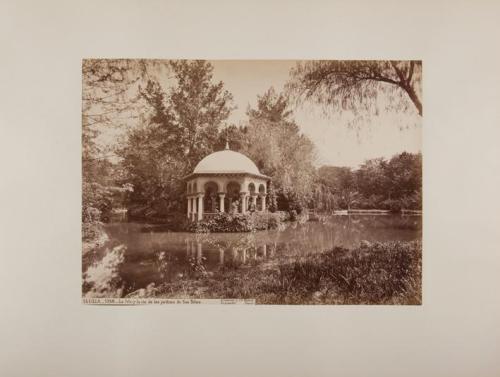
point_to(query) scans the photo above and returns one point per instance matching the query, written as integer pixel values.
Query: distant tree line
(393, 184)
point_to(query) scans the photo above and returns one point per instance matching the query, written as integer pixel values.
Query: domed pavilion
(225, 181)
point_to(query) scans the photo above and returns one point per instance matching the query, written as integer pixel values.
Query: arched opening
(251, 200)
(189, 188)
(261, 199)
(210, 202)
(233, 197)
(195, 187)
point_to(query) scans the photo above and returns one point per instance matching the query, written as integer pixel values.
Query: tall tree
(199, 106)
(404, 174)
(273, 140)
(272, 107)
(109, 95)
(372, 178)
(184, 125)
(356, 84)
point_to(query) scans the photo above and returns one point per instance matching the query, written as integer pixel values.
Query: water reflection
(139, 255)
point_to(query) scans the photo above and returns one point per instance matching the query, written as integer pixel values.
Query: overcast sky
(336, 143)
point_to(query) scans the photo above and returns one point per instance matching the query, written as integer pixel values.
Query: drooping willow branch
(355, 84)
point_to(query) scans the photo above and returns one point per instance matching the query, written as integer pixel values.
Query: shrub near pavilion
(237, 222)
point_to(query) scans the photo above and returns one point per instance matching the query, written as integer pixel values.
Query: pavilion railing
(209, 215)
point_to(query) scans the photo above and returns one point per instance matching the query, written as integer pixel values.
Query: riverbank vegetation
(373, 273)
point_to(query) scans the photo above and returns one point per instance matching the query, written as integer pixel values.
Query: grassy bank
(379, 273)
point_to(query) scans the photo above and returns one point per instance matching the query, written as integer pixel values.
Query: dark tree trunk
(414, 98)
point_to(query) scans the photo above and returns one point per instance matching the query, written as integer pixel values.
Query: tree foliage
(377, 184)
(336, 188)
(274, 142)
(184, 126)
(200, 108)
(356, 85)
(109, 99)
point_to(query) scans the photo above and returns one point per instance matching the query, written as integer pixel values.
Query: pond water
(137, 255)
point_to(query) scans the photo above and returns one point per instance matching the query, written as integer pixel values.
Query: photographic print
(254, 181)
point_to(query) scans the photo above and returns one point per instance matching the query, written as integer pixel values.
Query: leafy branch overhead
(356, 85)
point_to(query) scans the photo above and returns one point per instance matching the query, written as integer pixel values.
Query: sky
(337, 143)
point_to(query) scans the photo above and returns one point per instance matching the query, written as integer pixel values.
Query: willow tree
(111, 98)
(274, 142)
(356, 85)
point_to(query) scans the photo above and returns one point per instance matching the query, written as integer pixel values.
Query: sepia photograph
(274, 181)
(266, 188)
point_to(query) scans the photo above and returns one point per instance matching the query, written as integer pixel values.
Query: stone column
(263, 197)
(221, 202)
(200, 207)
(243, 202)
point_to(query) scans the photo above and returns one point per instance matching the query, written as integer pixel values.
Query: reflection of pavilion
(225, 181)
(240, 253)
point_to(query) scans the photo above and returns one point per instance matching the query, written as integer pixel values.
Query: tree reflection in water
(133, 259)
(102, 279)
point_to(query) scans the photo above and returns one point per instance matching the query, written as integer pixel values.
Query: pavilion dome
(226, 161)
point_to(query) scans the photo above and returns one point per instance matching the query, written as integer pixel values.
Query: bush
(413, 201)
(371, 202)
(222, 223)
(393, 205)
(225, 222)
(96, 202)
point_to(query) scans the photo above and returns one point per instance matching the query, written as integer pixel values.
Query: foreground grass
(379, 273)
